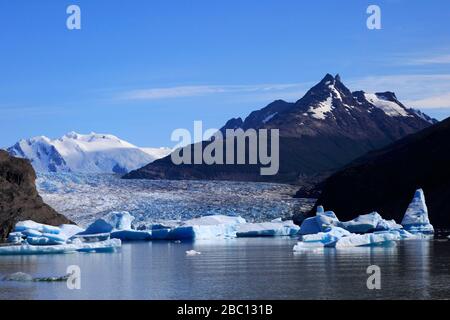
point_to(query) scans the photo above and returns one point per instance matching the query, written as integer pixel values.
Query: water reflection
(238, 268)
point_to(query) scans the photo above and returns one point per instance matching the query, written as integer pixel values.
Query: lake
(255, 268)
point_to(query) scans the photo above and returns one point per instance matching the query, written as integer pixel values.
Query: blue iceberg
(416, 216)
(321, 222)
(207, 227)
(275, 228)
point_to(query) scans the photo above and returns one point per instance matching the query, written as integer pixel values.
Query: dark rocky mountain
(385, 180)
(321, 132)
(19, 199)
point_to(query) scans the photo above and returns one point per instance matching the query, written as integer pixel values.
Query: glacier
(84, 198)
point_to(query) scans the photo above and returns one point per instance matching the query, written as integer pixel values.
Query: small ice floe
(74, 246)
(24, 277)
(192, 253)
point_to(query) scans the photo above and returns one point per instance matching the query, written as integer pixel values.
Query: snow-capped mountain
(89, 153)
(321, 132)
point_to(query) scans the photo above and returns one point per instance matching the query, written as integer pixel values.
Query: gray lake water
(261, 268)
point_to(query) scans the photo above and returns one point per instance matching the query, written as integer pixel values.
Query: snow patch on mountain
(390, 108)
(269, 117)
(89, 153)
(321, 109)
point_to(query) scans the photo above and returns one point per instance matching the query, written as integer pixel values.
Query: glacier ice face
(416, 216)
(276, 228)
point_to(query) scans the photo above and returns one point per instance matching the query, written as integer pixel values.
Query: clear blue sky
(142, 68)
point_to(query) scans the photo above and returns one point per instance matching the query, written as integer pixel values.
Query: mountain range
(88, 153)
(321, 132)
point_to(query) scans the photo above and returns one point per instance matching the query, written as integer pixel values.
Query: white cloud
(204, 90)
(430, 60)
(424, 91)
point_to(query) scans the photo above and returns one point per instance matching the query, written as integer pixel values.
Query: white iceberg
(41, 234)
(31, 225)
(207, 227)
(193, 253)
(116, 225)
(416, 216)
(370, 222)
(276, 228)
(321, 239)
(76, 246)
(380, 238)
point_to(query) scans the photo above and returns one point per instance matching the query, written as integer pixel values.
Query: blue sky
(140, 69)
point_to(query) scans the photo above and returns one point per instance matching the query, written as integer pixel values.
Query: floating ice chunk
(120, 220)
(46, 239)
(27, 249)
(114, 221)
(132, 235)
(382, 238)
(31, 233)
(276, 228)
(416, 217)
(41, 234)
(308, 246)
(192, 253)
(319, 223)
(388, 225)
(160, 234)
(322, 239)
(208, 227)
(31, 225)
(69, 230)
(18, 276)
(110, 245)
(15, 237)
(363, 223)
(97, 227)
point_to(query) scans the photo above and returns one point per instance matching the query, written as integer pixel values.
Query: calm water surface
(238, 269)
